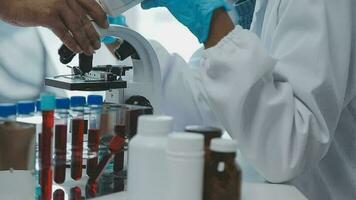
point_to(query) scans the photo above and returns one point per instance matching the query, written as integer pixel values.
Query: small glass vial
(222, 178)
(60, 141)
(7, 125)
(95, 103)
(78, 128)
(16, 155)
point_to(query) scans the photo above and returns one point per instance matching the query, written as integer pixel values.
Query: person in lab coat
(24, 63)
(285, 90)
(68, 19)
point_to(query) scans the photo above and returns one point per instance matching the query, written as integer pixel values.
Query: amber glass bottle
(209, 133)
(222, 174)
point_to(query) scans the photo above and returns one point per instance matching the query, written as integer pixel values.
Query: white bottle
(185, 166)
(117, 7)
(146, 168)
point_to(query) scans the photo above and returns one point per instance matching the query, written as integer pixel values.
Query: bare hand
(66, 18)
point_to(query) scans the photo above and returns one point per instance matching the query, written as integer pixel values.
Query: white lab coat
(287, 95)
(24, 63)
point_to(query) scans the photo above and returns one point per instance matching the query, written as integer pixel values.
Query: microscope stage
(69, 83)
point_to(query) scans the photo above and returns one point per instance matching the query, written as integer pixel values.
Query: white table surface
(250, 191)
(253, 188)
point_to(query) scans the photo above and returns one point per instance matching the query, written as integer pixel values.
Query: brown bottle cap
(205, 130)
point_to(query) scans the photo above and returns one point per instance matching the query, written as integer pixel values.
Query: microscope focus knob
(139, 101)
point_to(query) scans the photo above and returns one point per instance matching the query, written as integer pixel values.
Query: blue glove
(194, 14)
(119, 20)
(244, 10)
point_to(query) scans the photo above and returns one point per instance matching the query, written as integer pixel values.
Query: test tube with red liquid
(77, 117)
(58, 194)
(95, 103)
(119, 159)
(60, 142)
(75, 193)
(48, 104)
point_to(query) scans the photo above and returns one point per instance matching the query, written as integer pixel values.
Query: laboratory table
(250, 191)
(255, 188)
(259, 190)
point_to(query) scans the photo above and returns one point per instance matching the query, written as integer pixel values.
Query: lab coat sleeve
(283, 110)
(181, 91)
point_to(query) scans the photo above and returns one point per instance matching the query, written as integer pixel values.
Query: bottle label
(221, 166)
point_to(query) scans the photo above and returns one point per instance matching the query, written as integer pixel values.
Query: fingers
(95, 12)
(63, 33)
(89, 30)
(75, 26)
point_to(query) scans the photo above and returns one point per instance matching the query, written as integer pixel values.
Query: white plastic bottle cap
(154, 125)
(223, 145)
(185, 144)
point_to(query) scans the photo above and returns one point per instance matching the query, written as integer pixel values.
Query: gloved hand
(194, 14)
(66, 18)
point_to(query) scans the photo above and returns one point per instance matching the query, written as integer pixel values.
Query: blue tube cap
(119, 20)
(48, 102)
(62, 103)
(95, 100)
(38, 105)
(25, 107)
(7, 109)
(77, 101)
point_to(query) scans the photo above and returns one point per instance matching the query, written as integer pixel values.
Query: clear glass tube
(94, 134)
(61, 130)
(78, 125)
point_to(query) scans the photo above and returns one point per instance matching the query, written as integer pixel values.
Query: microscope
(130, 91)
(138, 84)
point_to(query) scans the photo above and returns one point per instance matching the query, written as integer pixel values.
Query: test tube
(91, 189)
(48, 104)
(119, 159)
(77, 112)
(75, 193)
(61, 127)
(95, 103)
(58, 194)
(38, 113)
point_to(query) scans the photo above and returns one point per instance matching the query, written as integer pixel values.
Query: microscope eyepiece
(65, 54)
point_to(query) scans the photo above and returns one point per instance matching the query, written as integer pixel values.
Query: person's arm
(281, 105)
(221, 25)
(66, 18)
